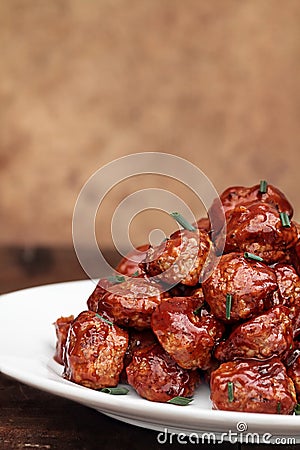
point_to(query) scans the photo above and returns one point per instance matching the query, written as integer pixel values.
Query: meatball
(269, 334)
(250, 285)
(94, 351)
(185, 333)
(156, 376)
(241, 195)
(294, 315)
(294, 252)
(100, 290)
(132, 302)
(179, 259)
(294, 372)
(129, 265)
(288, 284)
(62, 326)
(253, 386)
(137, 339)
(257, 228)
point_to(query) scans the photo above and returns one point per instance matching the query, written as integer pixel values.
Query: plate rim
(214, 420)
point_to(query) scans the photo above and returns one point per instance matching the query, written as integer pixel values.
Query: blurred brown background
(84, 82)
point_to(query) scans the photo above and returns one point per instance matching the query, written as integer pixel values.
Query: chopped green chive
(248, 255)
(263, 187)
(297, 409)
(115, 279)
(230, 391)
(115, 390)
(285, 220)
(181, 401)
(103, 318)
(182, 221)
(278, 407)
(197, 310)
(228, 305)
(135, 274)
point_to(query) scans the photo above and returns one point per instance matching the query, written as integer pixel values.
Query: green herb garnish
(103, 318)
(248, 255)
(181, 401)
(263, 187)
(197, 310)
(285, 220)
(297, 409)
(182, 221)
(278, 407)
(230, 391)
(115, 279)
(135, 274)
(228, 305)
(115, 390)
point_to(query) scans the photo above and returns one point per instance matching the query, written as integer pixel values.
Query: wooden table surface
(32, 419)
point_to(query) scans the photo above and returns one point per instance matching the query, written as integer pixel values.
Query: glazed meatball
(257, 228)
(269, 334)
(288, 283)
(249, 283)
(100, 290)
(294, 372)
(241, 195)
(62, 326)
(253, 386)
(185, 332)
(156, 376)
(294, 252)
(129, 265)
(137, 339)
(94, 351)
(132, 302)
(294, 315)
(179, 259)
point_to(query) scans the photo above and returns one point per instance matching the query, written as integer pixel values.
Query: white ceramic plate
(27, 342)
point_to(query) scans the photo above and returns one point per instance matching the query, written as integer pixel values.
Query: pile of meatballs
(211, 304)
